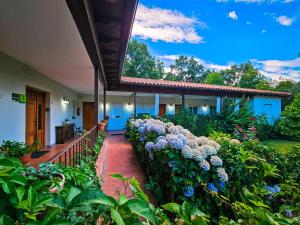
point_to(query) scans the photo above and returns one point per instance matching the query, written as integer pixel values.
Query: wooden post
(96, 96)
(104, 103)
(183, 101)
(134, 104)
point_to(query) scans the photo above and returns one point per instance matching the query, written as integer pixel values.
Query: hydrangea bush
(229, 180)
(184, 166)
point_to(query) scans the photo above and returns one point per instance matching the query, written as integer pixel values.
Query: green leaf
(141, 208)
(93, 197)
(122, 200)
(32, 195)
(73, 192)
(6, 220)
(50, 216)
(116, 217)
(172, 207)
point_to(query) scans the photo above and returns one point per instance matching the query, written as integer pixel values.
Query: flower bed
(183, 165)
(231, 181)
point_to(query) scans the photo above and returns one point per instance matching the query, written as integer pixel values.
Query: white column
(237, 104)
(156, 105)
(218, 106)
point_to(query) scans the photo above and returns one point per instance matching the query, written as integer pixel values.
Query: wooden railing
(77, 149)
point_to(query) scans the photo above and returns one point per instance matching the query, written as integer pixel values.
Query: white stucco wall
(14, 77)
(270, 107)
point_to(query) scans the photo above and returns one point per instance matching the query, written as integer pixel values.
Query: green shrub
(290, 122)
(14, 149)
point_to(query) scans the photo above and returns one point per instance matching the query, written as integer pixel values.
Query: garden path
(117, 156)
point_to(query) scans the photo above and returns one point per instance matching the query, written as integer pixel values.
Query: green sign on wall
(21, 98)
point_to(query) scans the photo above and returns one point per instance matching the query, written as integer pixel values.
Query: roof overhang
(175, 87)
(105, 27)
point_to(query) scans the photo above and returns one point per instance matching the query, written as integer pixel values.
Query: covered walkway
(117, 156)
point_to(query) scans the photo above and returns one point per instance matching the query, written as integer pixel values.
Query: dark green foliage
(139, 62)
(226, 121)
(186, 69)
(290, 122)
(14, 149)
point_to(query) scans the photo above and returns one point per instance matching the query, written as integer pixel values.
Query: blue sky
(223, 32)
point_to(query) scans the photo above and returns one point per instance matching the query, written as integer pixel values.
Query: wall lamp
(66, 100)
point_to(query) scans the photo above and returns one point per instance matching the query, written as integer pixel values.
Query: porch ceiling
(43, 35)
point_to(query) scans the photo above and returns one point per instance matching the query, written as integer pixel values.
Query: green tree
(231, 75)
(250, 77)
(286, 85)
(290, 122)
(214, 78)
(140, 63)
(185, 69)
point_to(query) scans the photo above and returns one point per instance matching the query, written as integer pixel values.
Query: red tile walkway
(117, 156)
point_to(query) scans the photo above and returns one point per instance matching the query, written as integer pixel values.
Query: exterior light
(66, 100)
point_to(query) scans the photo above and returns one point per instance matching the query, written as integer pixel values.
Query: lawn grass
(282, 145)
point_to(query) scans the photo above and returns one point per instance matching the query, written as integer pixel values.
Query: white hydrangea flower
(187, 152)
(173, 130)
(223, 176)
(216, 161)
(210, 150)
(204, 165)
(198, 156)
(192, 143)
(202, 140)
(235, 141)
(214, 144)
(202, 151)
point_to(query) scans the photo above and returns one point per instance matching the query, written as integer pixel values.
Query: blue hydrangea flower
(212, 187)
(174, 141)
(188, 191)
(161, 144)
(149, 146)
(142, 138)
(277, 188)
(222, 184)
(141, 129)
(273, 190)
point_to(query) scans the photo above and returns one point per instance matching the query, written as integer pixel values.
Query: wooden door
(162, 109)
(88, 115)
(35, 117)
(177, 109)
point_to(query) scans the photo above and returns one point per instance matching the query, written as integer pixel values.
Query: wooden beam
(134, 104)
(96, 95)
(104, 102)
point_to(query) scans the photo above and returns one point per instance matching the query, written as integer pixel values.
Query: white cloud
(263, 31)
(284, 20)
(277, 69)
(249, 22)
(169, 59)
(159, 24)
(232, 15)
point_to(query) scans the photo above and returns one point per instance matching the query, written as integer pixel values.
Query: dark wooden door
(177, 109)
(88, 115)
(162, 109)
(35, 117)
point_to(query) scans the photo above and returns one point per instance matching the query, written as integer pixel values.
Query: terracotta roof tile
(199, 86)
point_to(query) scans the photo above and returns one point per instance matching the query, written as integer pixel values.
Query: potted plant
(16, 149)
(50, 172)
